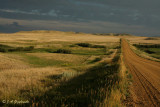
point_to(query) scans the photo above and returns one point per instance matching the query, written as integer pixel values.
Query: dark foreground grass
(88, 89)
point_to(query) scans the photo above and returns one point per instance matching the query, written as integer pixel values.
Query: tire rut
(146, 92)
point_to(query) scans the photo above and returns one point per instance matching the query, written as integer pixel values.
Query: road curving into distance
(145, 90)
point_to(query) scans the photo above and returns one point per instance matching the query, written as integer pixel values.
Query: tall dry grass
(17, 82)
(20, 80)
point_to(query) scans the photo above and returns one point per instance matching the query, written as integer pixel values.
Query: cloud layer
(140, 13)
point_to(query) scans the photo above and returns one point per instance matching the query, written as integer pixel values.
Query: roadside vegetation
(152, 50)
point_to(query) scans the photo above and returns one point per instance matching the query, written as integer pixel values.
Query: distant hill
(112, 34)
(39, 31)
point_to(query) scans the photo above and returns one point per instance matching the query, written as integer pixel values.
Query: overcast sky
(139, 17)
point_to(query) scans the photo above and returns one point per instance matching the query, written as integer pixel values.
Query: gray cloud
(122, 12)
(32, 12)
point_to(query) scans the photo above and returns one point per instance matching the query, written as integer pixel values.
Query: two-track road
(146, 78)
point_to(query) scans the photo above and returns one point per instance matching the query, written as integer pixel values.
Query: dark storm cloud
(13, 27)
(128, 12)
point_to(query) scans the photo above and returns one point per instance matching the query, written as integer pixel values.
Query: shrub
(109, 53)
(28, 48)
(147, 46)
(98, 46)
(148, 51)
(116, 58)
(3, 50)
(90, 45)
(19, 49)
(117, 47)
(4, 46)
(84, 44)
(65, 51)
(96, 60)
(151, 38)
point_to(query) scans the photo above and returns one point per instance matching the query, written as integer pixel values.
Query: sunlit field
(52, 68)
(147, 47)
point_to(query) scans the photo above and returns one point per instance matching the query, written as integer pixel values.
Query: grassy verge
(120, 92)
(151, 50)
(149, 53)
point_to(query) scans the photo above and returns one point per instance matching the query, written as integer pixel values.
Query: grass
(95, 60)
(6, 48)
(120, 93)
(73, 76)
(41, 62)
(88, 89)
(18, 82)
(88, 51)
(75, 60)
(153, 50)
(100, 85)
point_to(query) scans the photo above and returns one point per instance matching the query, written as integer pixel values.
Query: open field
(52, 68)
(145, 40)
(61, 69)
(147, 47)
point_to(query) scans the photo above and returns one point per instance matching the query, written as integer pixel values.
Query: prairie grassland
(39, 38)
(15, 81)
(148, 52)
(84, 76)
(7, 62)
(143, 40)
(76, 59)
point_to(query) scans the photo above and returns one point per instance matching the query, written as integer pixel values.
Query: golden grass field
(136, 39)
(43, 72)
(24, 75)
(146, 41)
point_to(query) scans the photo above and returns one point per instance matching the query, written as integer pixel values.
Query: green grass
(6, 48)
(156, 50)
(63, 51)
(95, 60)
(90, 88)
(152, 50)
(40, 62)
(89, 52)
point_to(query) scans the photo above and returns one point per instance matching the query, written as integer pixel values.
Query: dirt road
(145, 90)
